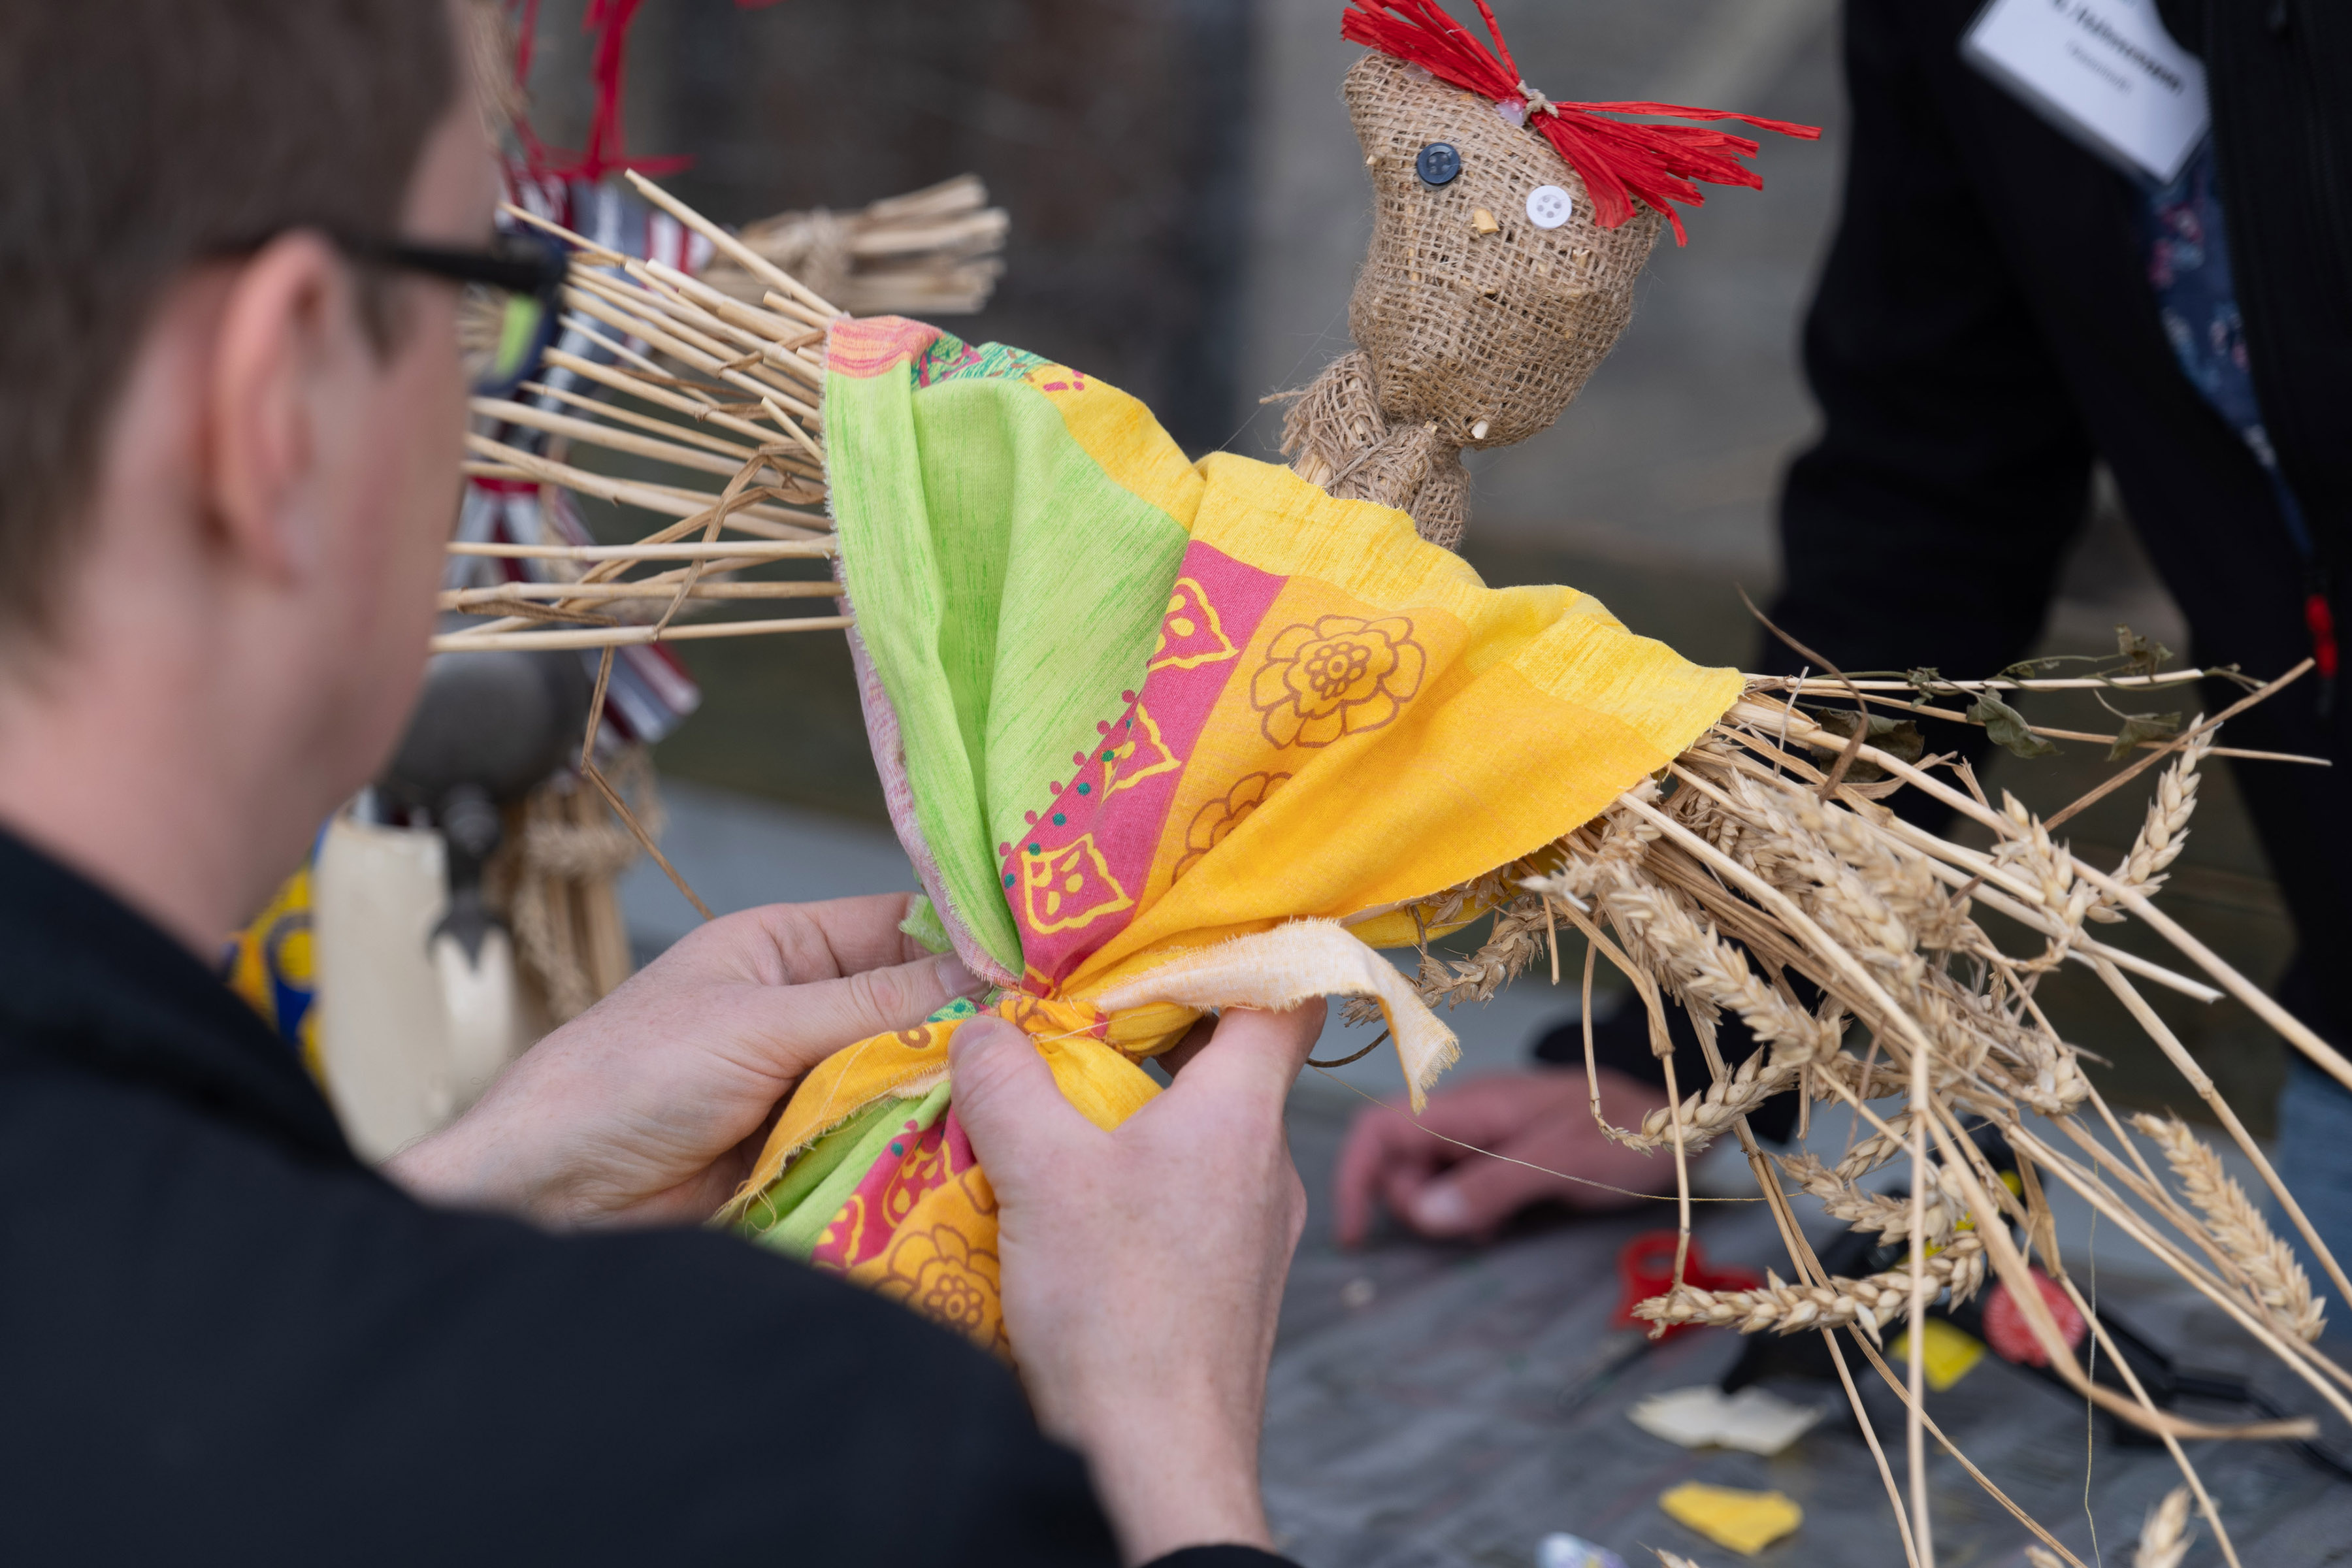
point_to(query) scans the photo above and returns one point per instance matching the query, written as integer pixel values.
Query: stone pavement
(1446, 1405)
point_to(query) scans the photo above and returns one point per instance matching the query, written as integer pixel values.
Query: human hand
(1143, 1268)
(1544, 1118)
(650, 1107)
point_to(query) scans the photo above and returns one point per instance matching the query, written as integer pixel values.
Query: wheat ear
(1872, 1302)
(1890, 1217)
(2166, 832)
(2164, 1539)
(2268, 1263)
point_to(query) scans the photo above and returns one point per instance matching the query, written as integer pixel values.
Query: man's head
(230, 452)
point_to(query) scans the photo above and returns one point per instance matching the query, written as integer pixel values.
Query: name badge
(2103, 72)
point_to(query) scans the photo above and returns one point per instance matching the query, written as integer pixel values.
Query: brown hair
(138, 138)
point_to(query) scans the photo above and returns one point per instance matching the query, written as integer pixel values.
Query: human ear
(282, 373)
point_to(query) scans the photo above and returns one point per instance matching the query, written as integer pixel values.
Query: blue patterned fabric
(2187, 249)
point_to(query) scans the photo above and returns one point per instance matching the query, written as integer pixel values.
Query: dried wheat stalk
(1711, 891)
(930, 252)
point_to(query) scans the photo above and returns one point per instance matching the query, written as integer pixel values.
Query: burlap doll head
(1486, 301)
(1506, 234)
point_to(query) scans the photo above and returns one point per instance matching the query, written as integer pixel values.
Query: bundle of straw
(932, 252)
(1758, 859)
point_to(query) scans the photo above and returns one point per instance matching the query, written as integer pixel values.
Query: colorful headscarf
(1158, 737)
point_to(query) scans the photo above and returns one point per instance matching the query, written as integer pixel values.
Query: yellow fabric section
(1564, 642)
(1503, 717)
(942, 1262)
(1397, 928)
(1508, 717)
(1119, 433)
(1097, 1077)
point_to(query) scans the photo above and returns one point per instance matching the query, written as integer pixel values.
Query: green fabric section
(974, 493)
(777, 1207)
(923, 924)
(773, 1207)
(864, 1140)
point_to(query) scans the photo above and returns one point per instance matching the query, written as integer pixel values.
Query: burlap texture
(1463, 326)
(1338, 439)
(1453, 325)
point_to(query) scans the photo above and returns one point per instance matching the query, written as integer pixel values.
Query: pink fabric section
(1127, 780)
(914, 1163)
(867, 346)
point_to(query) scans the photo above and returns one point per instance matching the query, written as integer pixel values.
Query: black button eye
(1438, 164)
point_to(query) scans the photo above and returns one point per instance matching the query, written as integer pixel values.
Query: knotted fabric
(1160, 737)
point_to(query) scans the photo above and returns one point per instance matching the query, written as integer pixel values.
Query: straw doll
(1161, 737)
(1507, 231)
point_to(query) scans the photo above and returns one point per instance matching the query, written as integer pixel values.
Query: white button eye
(1548, 206)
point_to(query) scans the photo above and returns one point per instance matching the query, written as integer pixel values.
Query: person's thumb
(1477, 1196)
(1005, 1095)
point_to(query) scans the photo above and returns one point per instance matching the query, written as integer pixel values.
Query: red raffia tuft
(1619, 163)
(608, 70)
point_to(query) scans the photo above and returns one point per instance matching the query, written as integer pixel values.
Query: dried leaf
(2138, 727)
(1896, 737)
(1887, 731)
(1925, 680)
(2007, 726)
(2143, 655)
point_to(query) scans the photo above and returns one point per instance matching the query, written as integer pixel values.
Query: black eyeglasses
(517, 263)
(503, 339)
(514, 297)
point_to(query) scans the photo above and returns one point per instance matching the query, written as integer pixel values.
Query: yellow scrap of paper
(1745, 1521)
(1947, 1354)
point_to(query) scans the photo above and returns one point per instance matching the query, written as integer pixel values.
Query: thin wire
(1360, 1056)
(1314, 345)
(1507, 1160)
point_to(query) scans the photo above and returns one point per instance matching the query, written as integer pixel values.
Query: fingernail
(958, 980)
(1440, 1209)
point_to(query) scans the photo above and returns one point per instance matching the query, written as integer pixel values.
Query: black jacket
(2279, 73)
(1985, 328)
(223, 1339)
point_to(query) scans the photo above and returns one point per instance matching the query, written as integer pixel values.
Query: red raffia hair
(1657, 164)
(609, 21)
